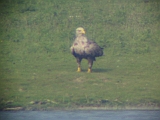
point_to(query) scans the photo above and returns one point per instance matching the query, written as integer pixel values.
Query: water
(80, 115)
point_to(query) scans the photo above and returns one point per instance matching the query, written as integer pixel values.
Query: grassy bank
(38, 71)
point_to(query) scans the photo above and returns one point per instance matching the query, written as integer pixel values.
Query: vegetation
(37, 70)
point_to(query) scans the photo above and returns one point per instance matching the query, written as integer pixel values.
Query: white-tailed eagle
(84, 48)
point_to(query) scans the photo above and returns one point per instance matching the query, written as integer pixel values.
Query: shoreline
(144, 108)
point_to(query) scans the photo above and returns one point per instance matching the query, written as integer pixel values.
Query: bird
(83, 48)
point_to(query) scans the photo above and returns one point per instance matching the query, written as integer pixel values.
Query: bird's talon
(89, 70)
(79, 69)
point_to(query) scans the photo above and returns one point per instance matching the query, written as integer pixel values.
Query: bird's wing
(93, 49)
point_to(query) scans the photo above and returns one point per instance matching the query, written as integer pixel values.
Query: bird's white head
(80, 31)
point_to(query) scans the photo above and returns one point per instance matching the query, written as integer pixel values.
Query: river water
(80, 115)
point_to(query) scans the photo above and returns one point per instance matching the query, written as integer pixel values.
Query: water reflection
(80, 115)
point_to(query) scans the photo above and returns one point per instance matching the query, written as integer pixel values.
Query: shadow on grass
(101, 70)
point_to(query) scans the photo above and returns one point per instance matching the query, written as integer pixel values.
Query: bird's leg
(90, 63)
(79, 64)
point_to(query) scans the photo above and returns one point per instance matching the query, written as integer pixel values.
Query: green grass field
(38, 72)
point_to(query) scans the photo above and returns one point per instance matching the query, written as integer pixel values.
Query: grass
(38, 71)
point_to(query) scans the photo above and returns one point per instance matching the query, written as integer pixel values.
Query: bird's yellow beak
(83, 32)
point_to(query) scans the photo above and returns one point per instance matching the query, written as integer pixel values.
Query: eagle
(83, 48)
